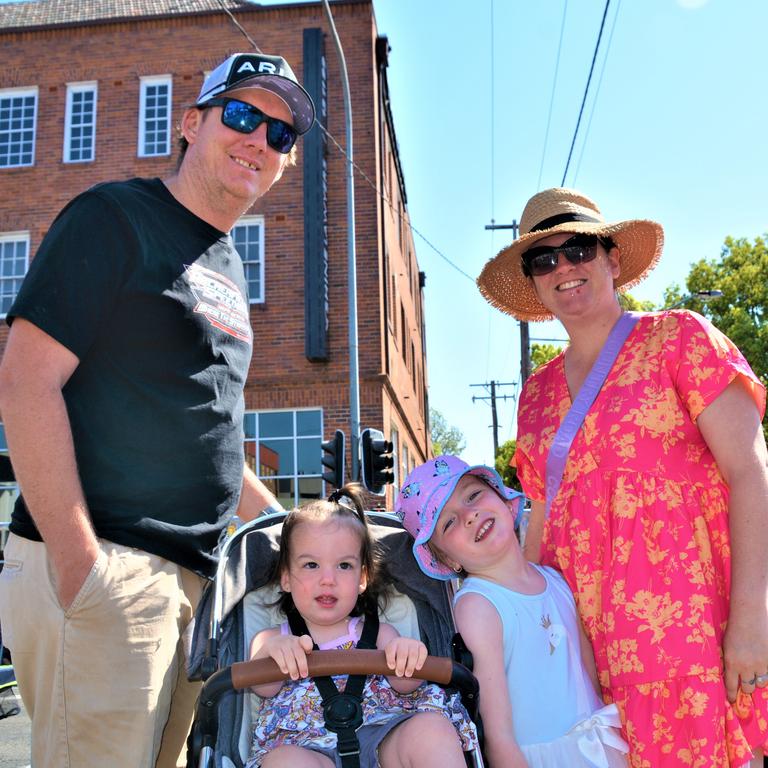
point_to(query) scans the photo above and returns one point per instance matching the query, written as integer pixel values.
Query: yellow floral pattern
(639, 528)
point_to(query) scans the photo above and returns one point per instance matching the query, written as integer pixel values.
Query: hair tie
(341, 498)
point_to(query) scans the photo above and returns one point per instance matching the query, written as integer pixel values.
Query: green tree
(508, 473)
(741, 313)
(445, 438)
(630, 304)
(543, 353)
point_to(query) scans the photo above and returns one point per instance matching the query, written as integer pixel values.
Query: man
(121, 392)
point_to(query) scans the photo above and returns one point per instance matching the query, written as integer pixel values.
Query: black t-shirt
(153, 302)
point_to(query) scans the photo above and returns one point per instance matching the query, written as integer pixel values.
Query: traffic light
(376, 460)
(333, 459)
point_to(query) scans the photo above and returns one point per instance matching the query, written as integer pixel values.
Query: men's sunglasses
(245, 118)
(578, 249)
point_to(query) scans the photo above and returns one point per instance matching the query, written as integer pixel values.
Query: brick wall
(117, 55)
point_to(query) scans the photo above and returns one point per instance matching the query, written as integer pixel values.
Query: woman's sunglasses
(245, 118)
(578, 249)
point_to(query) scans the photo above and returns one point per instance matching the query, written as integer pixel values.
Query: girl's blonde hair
(347, 506)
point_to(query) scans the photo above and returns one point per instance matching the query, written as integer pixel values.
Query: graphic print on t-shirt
(220, 301)
(555, 633)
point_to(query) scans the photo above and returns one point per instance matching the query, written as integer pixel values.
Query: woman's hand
(405, 655)
(745, 649)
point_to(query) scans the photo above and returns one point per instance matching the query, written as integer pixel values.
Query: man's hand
(71, 574)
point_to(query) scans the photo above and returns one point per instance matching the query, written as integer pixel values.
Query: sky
(485, 101)
(673, 130)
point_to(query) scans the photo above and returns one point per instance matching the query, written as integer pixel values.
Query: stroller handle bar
(436, 669)
(243, 674)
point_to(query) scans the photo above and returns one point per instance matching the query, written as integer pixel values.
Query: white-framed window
(155, 116)
(284, 449)
(248, 237)
(80, 123)
(14, 260)
(18, 121)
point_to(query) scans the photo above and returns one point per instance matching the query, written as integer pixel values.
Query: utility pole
(525, 343)
(493, 397)
(525, 352)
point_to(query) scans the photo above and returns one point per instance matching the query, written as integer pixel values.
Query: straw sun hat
(502, 281)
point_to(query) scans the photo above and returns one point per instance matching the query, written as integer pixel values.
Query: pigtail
(352, 498)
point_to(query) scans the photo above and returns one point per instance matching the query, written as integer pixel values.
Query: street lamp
(714, 293)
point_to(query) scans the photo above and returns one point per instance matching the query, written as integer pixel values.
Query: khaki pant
(104, 681)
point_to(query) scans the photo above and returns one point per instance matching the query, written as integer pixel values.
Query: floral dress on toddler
(294, 716)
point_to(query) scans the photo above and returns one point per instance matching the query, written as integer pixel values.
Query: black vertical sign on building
(315, 204)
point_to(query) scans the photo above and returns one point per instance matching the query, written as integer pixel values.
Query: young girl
(537, 678)
(328, 574)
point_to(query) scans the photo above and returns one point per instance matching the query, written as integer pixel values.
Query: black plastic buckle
(343, 712)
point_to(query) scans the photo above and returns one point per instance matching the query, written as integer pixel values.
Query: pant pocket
(9, 577)
(11, 569)
(94, 581)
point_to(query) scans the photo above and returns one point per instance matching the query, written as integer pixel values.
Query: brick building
(91, 90)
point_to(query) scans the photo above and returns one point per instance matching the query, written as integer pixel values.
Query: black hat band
(562, 218)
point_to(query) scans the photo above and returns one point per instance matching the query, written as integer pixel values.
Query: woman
(659, 521)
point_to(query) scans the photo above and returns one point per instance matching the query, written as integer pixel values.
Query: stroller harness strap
(343, 711)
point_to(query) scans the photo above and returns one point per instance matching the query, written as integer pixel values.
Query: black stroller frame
(220, 643)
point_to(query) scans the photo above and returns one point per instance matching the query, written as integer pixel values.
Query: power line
(586, 90)
(493, 397)
(359, 170)
(392, 207)
(493, 132)
(493, 176)
(515, 402)
(552, 96)
(239, 26)
(597, 92)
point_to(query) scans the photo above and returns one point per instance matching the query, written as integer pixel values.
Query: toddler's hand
(290, 653)
(405, 655)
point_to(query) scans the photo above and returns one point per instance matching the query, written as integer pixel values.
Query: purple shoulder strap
(561, 445)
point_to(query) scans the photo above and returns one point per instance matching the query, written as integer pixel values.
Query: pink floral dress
(639, 529)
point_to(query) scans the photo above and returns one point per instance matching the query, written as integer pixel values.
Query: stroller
(9, 701)
(239, 603)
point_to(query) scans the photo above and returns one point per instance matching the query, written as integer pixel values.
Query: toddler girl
(538, 687)
(328, 575)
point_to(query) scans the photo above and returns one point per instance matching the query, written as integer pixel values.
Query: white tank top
(548, 686)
